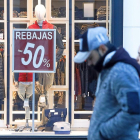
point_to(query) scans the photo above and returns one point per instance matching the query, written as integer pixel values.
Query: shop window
(19, 8)
(58, 8)
(91, 10)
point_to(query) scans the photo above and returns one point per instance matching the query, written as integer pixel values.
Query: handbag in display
(88, 104)
(55, 115)
(78, 102)
(61, 128)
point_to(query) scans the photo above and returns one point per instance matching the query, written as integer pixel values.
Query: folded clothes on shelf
(101, 13)
(15, 14)
(22, 14)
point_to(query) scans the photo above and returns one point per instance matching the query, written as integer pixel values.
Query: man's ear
(103, 49)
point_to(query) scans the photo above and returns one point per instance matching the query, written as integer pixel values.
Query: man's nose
(137, 58)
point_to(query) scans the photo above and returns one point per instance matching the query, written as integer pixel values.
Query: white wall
(131, 26)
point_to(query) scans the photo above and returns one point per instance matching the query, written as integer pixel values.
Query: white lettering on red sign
(29, 35)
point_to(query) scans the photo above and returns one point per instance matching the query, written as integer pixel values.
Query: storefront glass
(52, 93)
(87, 14)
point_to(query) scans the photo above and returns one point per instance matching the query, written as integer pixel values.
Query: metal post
(33, 102)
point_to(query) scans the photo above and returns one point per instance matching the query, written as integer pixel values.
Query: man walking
(116, 114)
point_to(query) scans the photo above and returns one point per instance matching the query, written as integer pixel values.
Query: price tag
(56, 113)
(52, 110)
(42, 99)
(26, 103)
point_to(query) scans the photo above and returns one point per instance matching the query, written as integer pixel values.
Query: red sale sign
(34, 50)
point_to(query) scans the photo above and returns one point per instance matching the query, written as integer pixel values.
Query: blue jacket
(116, 114)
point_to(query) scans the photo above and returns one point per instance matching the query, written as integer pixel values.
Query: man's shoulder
(123, 70)
(124, 67)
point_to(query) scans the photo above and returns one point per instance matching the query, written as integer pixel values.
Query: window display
(101, 13)
(99, 10)
(58, 8)
(88, 14)
(19, 8)
(52, 90)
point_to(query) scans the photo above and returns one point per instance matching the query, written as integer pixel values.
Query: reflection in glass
(58, 9)
(85, 81)
(60, 75)
(19, 8)
(62, 30)
(35, 2)
(1, 31)
(98, 7)
(59, 99)
(1, 9)
(80, 28)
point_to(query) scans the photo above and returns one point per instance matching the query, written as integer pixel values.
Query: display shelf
(83, 112)
(1, 112)
(2, 21)
(23, 112)
(20, 121)
(90, 21)
(76, 40)
(3, 41)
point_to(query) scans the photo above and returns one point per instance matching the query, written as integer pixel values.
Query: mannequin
(23, 82)
(45, 80)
